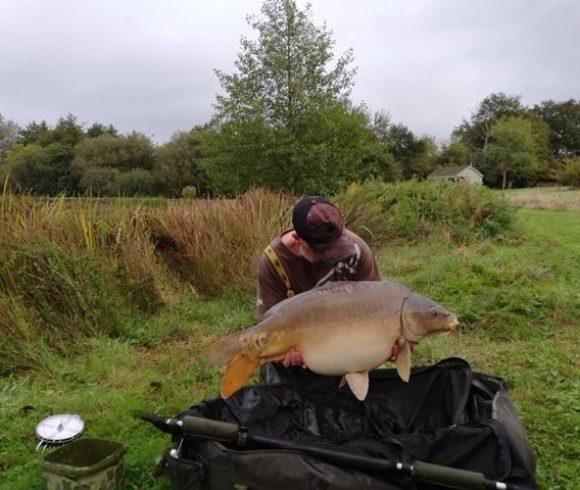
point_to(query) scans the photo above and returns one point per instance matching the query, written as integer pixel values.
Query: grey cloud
(148, 65)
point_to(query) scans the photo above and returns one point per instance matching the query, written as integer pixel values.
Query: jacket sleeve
(368, 269)
(271, 288)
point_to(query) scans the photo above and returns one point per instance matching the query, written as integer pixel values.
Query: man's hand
(397, 349)
(293, 358)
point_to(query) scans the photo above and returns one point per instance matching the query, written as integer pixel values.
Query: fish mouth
(453, 323)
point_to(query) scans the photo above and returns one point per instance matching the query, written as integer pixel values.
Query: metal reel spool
(59, 429)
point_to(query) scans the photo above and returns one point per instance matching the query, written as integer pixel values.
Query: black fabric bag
(446, 415)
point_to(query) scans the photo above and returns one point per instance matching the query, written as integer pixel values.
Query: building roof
(452, 171)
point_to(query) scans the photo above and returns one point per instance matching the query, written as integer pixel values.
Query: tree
(67, 131)
(513, 147)
(476, 132)
(568, 172)
(36, 169)
(45, 168)
(285, 74)
(35, 133)
(455, 153)
(415, 156)
(542, 150)
(563, 118)
(264, 131)
(336, 146)
(98, 129)
(113, 165)
(177, 164)
(8, 135)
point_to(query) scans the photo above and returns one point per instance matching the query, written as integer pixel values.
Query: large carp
(341, 328)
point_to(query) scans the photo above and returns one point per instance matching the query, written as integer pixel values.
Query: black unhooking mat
(447, 414)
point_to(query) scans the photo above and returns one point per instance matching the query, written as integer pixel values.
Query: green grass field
(518, 298)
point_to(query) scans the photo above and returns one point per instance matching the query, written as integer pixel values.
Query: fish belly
(350, 349)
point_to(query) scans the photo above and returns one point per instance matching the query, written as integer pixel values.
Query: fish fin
(359, 384)
(342, 382)
(404, 362)
(238, 371)
(223, 350)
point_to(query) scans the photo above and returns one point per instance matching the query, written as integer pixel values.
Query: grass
(557, 198)
(517, 297)
(71, 269)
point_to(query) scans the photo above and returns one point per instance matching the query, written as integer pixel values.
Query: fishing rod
(216, 430)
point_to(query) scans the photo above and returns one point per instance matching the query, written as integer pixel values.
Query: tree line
(286, 121)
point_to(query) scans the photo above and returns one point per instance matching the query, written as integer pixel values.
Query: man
(319, 249)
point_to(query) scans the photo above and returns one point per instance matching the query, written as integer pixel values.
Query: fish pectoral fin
(359, 384)
(404, 362)
(238, 371)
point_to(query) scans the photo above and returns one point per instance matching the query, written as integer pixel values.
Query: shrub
(189, 192)
(569, 173)
(414, 211)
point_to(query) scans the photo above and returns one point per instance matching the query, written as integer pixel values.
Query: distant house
(467, 173)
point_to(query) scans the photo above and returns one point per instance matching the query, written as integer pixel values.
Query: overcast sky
(147, 65)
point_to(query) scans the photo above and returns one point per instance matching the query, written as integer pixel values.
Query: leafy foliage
(8, 134)
(414, 156)
(285, 121)
(513, 147)
(285, 75)
(114, 165)
(177, 164)
(40, 161)
(569, 172)
(476, 132)
(37, 169)
(417, 211)
(455, 154)
(563, 118)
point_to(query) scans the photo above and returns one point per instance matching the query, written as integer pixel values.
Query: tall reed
(215, 244)
(75, 268)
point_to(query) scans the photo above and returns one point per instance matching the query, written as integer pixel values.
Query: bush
(414, 211)
(569, 174)
(189, 192)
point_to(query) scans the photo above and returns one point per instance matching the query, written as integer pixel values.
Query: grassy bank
(155, 367)
(73, 269)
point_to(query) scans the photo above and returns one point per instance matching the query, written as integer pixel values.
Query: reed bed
(71, 269)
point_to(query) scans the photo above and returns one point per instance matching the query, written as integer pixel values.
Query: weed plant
(413, 211)
(73, 269)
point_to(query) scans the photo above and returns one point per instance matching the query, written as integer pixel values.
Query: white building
(467, 173)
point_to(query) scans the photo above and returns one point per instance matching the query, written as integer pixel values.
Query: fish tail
(224, 350)
(239, 370)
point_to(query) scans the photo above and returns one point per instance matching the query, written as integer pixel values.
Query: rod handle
(454, 477)
(209, 429)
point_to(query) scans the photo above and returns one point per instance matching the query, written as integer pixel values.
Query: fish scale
(345, 328)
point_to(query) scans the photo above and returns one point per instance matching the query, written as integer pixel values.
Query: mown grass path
(518, 299)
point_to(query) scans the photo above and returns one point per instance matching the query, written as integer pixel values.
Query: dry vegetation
(557, 198)
(71, 269)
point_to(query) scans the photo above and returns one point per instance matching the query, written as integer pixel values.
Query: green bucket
(85, 464)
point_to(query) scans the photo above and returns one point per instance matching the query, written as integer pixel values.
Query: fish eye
(433, 313)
